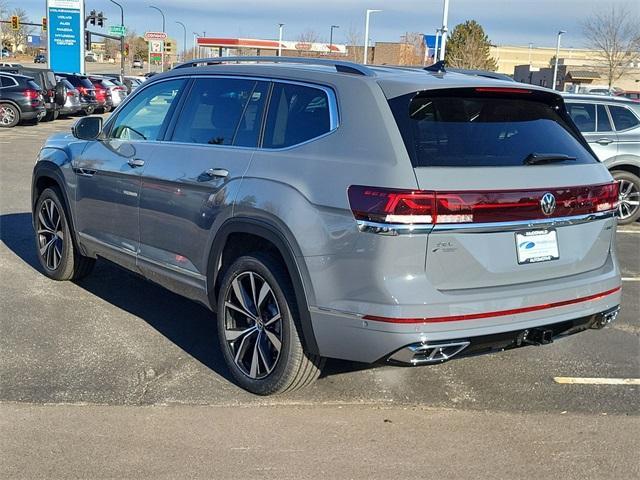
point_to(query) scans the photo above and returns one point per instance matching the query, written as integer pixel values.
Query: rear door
(191, 182)
(595, 125)
(517, 196)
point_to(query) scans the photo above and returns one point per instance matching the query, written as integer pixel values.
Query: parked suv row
(329, 209)
(20, 99)
(611, 125)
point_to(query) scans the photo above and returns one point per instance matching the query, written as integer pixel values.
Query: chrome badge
(548, 203)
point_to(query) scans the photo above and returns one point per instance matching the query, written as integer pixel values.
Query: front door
(109, 173)
(189, 186)
(595, 125)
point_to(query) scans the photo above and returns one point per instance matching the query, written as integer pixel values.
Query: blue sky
(505, 21)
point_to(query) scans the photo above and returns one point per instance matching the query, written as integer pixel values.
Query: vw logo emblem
(548, 203)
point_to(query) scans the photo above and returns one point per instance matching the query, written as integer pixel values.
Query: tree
(411, 49)
(354, 43)
(16, 37)
(468, 47)
(614, 34)
(307, 38)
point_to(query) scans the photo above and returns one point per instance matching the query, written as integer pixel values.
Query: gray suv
(611, 125)
(328, 209)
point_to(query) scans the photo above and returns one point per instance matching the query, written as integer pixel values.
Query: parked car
(72, 104)
(4, 53)
(103, 94)
(10, 65)
(611, 125)
(85, 88)
(134, 82)
(137, 63)
(118, 90)
(631, 95)
(53, 92)
(40, 58)
(20, 100)
(330, 209)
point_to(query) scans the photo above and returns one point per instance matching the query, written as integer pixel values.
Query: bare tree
(411, 49)
(614, 33)
(16, 37)
(353, 37)
(305, 39)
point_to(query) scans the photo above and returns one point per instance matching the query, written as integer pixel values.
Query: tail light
(31, 94)
(382, 205)
(71, 93)
(83, 90)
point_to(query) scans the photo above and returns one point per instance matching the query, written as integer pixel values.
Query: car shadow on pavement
(189, 325)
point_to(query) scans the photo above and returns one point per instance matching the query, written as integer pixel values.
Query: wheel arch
(270, 237)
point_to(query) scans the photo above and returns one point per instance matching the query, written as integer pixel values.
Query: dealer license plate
(537, 246)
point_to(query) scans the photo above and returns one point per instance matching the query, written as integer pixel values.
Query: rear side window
(583, 115)
(7, 82)
(468, 128)
(222, 111)
(623, 118)
(297, 113)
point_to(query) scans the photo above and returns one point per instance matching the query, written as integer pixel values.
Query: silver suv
(611, 125)
(328, 209)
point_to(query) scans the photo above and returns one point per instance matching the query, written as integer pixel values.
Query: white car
(137, 64)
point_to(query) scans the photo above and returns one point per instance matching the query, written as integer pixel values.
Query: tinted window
(296, 114)
(623, 118)
(33, 85)
(143, 118)
(604, 124)
(222, 111)
(465, 128)
(6, 82)
(583, 115)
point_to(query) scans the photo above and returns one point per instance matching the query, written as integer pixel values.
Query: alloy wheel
(628, 200)
(252, 325)
(50, 234)
(7, 115)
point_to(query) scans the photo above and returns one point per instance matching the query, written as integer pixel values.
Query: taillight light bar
(395, 206)
(31, 94)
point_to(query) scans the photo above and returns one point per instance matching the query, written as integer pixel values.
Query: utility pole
(555, 68)
(164, 29)
(184, 43)
(121, 39)
(331, 38)
(445, 19)
(366, 33)
(280, 28)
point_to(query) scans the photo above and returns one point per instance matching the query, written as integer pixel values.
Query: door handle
(217, 173)
(604, 141)
(135, 162)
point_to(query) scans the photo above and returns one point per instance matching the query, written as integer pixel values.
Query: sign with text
(65, 19)
(117, 30)
(155, 36)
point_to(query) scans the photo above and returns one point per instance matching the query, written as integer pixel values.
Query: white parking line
(628, 231)
(596, 381)
(630, 279)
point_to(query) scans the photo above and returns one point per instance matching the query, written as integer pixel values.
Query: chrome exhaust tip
(425, 353)
(605, 318)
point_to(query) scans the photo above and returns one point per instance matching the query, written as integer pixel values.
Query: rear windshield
(80, 82)
(469, 128)
(33, 85)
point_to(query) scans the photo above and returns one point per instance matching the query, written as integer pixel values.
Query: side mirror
(87, 128)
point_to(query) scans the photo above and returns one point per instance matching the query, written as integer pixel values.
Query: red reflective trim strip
(499, 313)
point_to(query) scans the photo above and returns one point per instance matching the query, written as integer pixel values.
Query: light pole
(196, 47)
(366, 33)
(331, 38)
(444, 30)
(555, 68)
(280, 29)
(164, 29)
(184, 44)
(121, 39)
(435, 51)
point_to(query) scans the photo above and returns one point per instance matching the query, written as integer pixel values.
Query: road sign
(65, 19)
(155, 36)
(118, 30)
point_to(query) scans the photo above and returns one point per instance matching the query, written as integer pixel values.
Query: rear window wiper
(541, 158)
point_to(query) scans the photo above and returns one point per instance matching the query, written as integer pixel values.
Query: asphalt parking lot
(113, 376)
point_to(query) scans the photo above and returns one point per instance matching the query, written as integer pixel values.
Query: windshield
(467, 128)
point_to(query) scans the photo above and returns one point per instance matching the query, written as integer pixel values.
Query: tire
(9, 115)
(629, 204)
(55, 247)
(51, 116)
(261, 367)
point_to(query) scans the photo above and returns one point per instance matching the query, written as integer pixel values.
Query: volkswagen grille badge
(548, 204)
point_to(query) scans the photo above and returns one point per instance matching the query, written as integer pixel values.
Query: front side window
(144, 117)
(222, 111)
(623, 118)
(583, 115)
(467, 128)
(604, 125)
(297, 113)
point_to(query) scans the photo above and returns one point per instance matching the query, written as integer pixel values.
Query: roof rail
(340, 66)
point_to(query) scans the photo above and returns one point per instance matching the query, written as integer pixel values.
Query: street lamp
(366, 33)
(280, 28)
(196, 47)
(331, 38)
(121, 39)
(161, 13)
(555, 68)
(184, 44)
(444, 30)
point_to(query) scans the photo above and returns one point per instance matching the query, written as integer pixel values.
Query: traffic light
(101, 19)
(92, 17)
(15, 22)
(44, 24)
(87, 40)
(126, 49)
